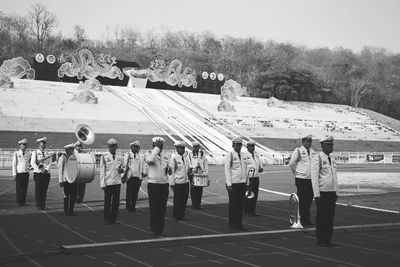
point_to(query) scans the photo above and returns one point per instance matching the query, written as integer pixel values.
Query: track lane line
(223, 256)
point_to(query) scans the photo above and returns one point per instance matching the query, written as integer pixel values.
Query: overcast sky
(314, 23)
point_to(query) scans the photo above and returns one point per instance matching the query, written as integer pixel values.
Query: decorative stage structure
(173, 74)
(229, 93)
(84, 64)
(15, 68)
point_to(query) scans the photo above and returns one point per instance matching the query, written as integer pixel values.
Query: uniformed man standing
(20, 171)
(300, 164)
(68, 188)
(236, 176)
(253, 161)
(157, 186)
(198, 160)
(134, 174)
(325, 187)
(179, 180)
(41, 162)
(111, 167)
(81, 187)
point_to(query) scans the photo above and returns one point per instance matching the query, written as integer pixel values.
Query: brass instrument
(80, 167)
(84, 134)
(295, 217)
(40, 160)
(250, 174)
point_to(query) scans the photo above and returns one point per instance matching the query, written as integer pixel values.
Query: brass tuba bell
(84, 134)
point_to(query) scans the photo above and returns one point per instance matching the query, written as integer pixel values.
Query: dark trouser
(132, 190)
(80, 192)
(111, 202)
(21, 184)
(158, 196)
(325, 215)
(181, 195)
(41, 185)
(306, 195)
(196, 192)
(236, 205)
(250, 203)
(69, 197)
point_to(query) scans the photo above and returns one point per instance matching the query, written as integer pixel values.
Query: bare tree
(41, 23)
(79, 34)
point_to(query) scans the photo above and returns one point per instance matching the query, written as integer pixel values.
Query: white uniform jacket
(253, 162)
(36, 160)
(198, 159)
(20, 162)
(135, 162)
(109, 174)
(157, 164)
(323, 174)
(235, 168)
(62, 162)
(180, 169)
(300, 162)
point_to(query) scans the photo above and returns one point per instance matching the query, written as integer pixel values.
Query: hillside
(45, 107)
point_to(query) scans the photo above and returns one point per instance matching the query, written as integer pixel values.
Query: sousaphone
(80, 167)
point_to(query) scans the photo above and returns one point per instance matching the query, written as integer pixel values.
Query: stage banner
(395, 158)
(375, 158)
(341, 159)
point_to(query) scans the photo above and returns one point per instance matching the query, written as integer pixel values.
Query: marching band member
(157, 186)
(81, 187)
(20, 171)
(179, 180)
(68, 188)
(325, 187)
(300, 164)
(253, 161)
(235, 175)
(41, 162)
(134, 173)
(197, 159)
(111, 167)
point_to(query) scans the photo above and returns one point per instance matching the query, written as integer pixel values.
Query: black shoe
(309, 224)
(333, 244)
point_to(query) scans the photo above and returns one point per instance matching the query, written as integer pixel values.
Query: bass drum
(80, 168)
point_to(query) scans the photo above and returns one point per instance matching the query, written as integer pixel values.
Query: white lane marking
(69, 229)
(313, 260)
(305, 253)
(110, 263)
(368, 208)
(121, 222)
(222, 256)
(337, 203)
(165, 249)
(254, 248)
(8, 189)
(274, 192)
(18, 250)
(90, 257)
(189, 255)
(133, 259)
(214, 261)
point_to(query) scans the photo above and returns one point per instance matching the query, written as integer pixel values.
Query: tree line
(368, 79)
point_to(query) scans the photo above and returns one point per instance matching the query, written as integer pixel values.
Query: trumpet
(42, 160)
(250, 174)
(295, 217)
